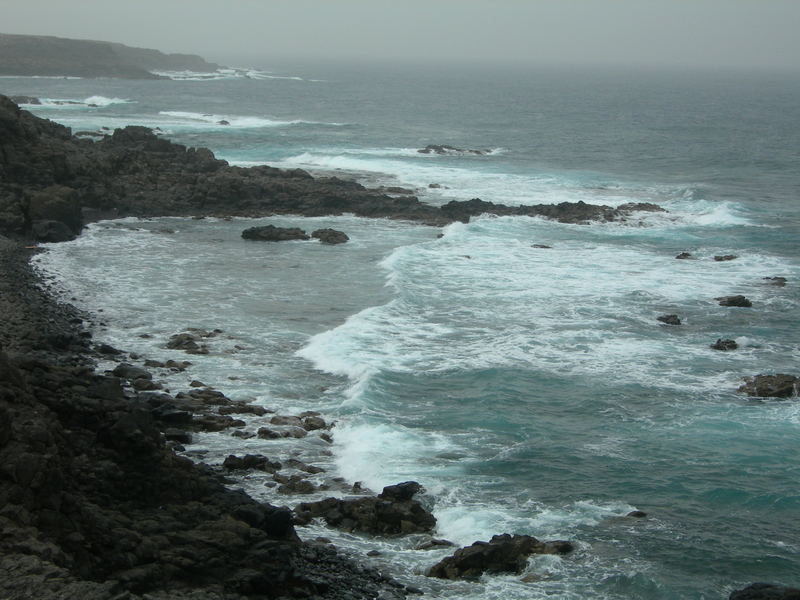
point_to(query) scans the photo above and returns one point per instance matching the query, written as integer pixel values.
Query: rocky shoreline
(95, 502)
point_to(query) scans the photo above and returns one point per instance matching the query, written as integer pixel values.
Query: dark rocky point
(502, 554)
(771, 386)
(330, 236)
(738, 300)
(669, 319)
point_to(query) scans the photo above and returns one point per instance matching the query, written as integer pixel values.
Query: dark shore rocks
(502, 554)
(270, 233)
(765, 591)
(669, 319)
(724, 345)
(330, 236)
(94, 503)
(392, 512)
(445, 149)
(737, 300)
(771, 386)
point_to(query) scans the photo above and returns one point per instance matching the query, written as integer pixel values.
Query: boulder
(669, 319)
(392, 512)
(778, 281)
(330, 236)
(270, 233)
(765, 591)
(739, 301)
(771, 386)
(725, 257)
(724, 345)
(251, 461)
(502, 554)
(131, 372)
(684, 255)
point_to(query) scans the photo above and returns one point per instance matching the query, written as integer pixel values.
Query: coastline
(78, 333)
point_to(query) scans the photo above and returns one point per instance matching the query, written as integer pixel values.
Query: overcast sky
(703, 33)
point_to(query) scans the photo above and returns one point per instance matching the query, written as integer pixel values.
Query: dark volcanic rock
(765, 591)
(683, 255)
(330, 236)
(725, 257)
(778, 281)
(502, 554)
(724, 345)
(771, 386)
(739, 300)
(270, 233)
(669, 319)
(392, 512)
(251, 461)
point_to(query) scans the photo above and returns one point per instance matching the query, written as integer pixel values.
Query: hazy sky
(748, 33)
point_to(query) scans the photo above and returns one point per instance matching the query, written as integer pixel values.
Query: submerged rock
(771, 386)
(270, 233)
(725, 257)
(778, 281)
(684, 255)
(669, 319)
(738, 300)
(502, 554)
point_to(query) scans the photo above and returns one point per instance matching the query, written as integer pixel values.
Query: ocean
(530, 390)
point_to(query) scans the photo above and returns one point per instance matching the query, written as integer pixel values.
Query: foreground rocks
(47, 174)
(392, 512)
(95, 505)
(502, 554)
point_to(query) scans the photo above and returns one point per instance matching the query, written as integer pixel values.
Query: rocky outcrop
(46, 173)
(330, 236)
(270, 233)
(724, 345)
(766, 591)
(394, 511)
(771, 386)
(502, 554)
(669, 319)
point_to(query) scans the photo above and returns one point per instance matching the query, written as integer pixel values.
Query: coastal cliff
(41, 55)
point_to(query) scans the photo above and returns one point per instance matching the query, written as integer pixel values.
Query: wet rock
(724, 345)
(299, 486)
(330, 236)
(286, 420)
(251, 461)
(739, 301)
(433, 543)
(188, 342)
(266, 433)
(684, 255)
(778, 281)
(384, 514)
(131, 372)
(637, 514)
(771, 386)
(215, 422)
(543, 246)
(502, 554)
(765, 591)
(270, 233)
(108, 350)
(242, 408)
(313, 423)
(178, 435)
(301, 466)
(669, 319)
(725, 257)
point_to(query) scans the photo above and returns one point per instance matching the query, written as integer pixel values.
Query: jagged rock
(384, 514)
(669, 319)
(771, 386)
(724, 345)
(739, 301)
(765, 591)
(684, 255)
(725, 257)
(502, 554)
(330, 236)
(270, 233)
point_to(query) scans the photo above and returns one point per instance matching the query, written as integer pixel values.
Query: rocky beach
(95, 501)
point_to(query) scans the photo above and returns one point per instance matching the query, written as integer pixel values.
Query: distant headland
(31, 55)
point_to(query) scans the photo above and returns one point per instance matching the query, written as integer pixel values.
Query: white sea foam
(224, 74)
(76, 103)
(203, 120)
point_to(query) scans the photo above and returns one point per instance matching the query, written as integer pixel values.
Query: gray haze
(690, 33)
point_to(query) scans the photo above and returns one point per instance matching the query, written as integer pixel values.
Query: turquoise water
(530, 390)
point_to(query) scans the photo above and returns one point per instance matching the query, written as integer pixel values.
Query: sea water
(530, 390)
